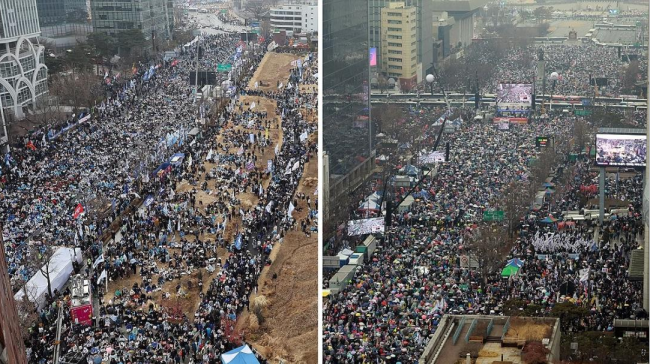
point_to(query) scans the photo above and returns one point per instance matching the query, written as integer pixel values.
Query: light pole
(429, 78)
(554, 77)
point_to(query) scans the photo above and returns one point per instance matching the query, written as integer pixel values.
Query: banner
(78, 211)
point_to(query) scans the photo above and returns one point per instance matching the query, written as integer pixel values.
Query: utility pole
(57, 342)
(646, 214)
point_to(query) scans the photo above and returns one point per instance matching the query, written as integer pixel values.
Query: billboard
(366, 226)
(623, 150)
(373, 56)
(504, 126)
(433, 157)
(515, 93)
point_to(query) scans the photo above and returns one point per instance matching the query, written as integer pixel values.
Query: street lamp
(429, 78)
(553, 77)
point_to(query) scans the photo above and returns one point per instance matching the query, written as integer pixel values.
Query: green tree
(103, 44)
(54, 64)
(131, 40)
(78, 58)
(569, 314)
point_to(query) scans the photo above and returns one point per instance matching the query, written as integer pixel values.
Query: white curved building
(23, 74)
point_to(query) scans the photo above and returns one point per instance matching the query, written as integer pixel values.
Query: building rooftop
(489, 339)
(458, 5)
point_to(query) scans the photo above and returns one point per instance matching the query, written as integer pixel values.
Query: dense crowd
(517, 64)
(395, 301)
(172, 215)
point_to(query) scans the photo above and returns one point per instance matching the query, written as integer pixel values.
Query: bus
(192, 9)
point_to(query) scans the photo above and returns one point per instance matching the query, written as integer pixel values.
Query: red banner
(78, 211)
(82, 314)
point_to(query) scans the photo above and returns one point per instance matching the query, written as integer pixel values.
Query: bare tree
(257, 7)
(27, 314)
(488, 244)
(515, 204)
(40, 260)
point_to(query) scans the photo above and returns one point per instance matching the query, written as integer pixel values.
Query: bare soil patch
(274, 67)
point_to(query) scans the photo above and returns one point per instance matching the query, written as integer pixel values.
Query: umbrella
(548, 220)
(509, 271)
(548, 184)
(516, 262)
(326, 292)
(241, 355)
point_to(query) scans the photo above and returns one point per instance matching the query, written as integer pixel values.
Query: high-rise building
(399, 57)
(23, 74)
(63, 22)
(425, 38)
(295, 18)
(153, 17)
(12, 348)
(347, 128)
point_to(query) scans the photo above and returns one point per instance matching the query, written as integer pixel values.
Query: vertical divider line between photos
(321, 177)
(646, 180)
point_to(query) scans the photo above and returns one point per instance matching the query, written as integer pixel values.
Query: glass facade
(346, 102)
(150, 16)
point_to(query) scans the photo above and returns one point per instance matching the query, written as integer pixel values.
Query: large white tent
(60, 268)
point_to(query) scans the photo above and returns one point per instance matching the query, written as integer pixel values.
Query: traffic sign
(493, 215)
(224, 67)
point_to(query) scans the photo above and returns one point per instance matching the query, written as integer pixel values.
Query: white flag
(101, 276)
(99, 259)
(291, 208)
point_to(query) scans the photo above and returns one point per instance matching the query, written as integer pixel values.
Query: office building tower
(347, 127)
(23, 74)
(153, 17)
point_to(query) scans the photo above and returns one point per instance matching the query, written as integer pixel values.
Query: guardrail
(490, 327)
(505, 329)
(458, 330)
(471, 329)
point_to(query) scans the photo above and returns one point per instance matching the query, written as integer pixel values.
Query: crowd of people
(108, 184)
(391, 307)
(517, 64)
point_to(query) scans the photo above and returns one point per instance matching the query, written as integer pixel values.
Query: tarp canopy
(369, 206)
(509, 271)
(60, 268)
(410, 170)
(241, 355)
(548, 220)
(516, 262)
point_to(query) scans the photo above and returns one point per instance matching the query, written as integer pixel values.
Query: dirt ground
(528, 330)
(274, 67)
(290, 332)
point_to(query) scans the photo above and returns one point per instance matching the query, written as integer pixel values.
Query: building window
(390, 36)
(390, 44)
(394, 29)
(394, 67)
(391, 59)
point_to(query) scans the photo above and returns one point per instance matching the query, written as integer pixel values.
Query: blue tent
(241, 355)
(516, 262)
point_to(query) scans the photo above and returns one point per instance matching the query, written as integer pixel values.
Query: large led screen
(622, 150)
(366, 226)
(515, 93)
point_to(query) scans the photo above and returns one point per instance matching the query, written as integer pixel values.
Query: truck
(81, 302)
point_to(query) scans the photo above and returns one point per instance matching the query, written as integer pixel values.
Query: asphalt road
(211, 21)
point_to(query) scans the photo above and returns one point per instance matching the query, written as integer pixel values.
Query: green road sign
(582, 112)
(224, 11)
(224, 67)
(256, 31)
(493, 215)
